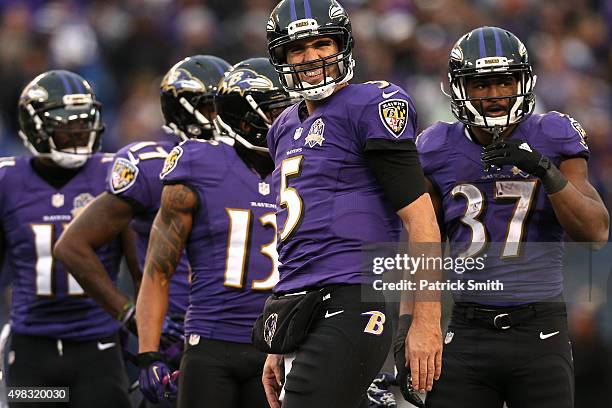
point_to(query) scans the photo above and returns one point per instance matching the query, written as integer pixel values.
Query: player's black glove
(403, 377)
(520, 154)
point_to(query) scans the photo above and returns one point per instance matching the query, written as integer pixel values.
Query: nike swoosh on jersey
(388, 95)
(327, 314)
(105, 346)
(545, 336)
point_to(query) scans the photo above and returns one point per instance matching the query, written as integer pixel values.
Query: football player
(502, 176)
(60, 337)
(217, 203)
(347, 173)
(133, 195)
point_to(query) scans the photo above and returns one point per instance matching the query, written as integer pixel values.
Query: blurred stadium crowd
(124, 47)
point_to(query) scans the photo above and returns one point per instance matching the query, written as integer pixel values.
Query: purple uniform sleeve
(177, 167)
(388, 114)
(136, 166)
(432, 147)
(5, 164)
(123, 178)
(567, 135)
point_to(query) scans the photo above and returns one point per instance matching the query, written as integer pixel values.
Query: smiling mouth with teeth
(313, 74)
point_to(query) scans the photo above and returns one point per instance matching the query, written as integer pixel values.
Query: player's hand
(517, 153)
(156, 381)
(170, 382)
(272, 379)
(403, 376)
(424, 353)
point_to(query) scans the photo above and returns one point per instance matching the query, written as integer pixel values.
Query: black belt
(505, 318)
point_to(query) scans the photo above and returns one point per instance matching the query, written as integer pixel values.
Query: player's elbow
(600, 238)
(66, 251)
(420, 220)
(595, 235)
(602, 232)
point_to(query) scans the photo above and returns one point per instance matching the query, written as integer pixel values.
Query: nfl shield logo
(264, 188)
(194, 339)
(298, 133)
(57, 200)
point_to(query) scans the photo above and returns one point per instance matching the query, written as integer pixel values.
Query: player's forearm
(170, 231)
(582, 217)
(406, 303)
(83, 263)
(426, 307)
(128, 242)
(426, 304)
(151, 309)
(424, 241)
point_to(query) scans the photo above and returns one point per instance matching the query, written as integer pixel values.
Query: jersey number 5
(289, 197)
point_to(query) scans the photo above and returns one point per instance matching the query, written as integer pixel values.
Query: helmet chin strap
(227, 130)
(30, 146)
(319, 91)
(257, 109)
(206, 124)
(62, 159)
(198, 115)
(496, 131)
(70, 160)
(172, 129)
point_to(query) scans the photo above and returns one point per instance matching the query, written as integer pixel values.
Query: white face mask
(77, 157)
(70, 160)
(318, 91)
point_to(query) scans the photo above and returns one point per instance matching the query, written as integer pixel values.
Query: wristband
(553, 180)
(143, 360)
(126, 308)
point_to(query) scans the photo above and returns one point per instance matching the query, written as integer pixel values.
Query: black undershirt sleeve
(396, 166)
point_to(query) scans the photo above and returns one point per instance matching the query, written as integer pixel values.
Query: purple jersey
(329, 201)
(135, 177)
(504, 207)
(232, 244)
(48, 301)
